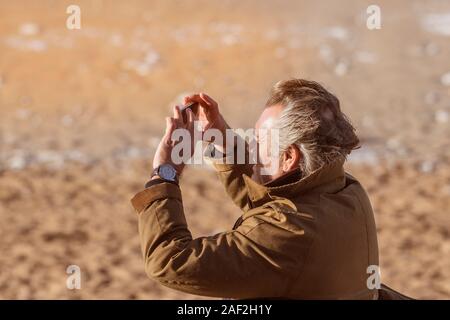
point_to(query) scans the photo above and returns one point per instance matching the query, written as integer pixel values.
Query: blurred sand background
(81, 112)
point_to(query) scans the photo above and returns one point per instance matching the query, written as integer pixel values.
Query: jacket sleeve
(230, 174)
(229, 264)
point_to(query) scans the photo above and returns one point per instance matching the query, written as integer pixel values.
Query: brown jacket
(310, 239)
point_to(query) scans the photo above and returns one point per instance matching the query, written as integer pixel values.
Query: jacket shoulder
(283, 215)
(283, 233)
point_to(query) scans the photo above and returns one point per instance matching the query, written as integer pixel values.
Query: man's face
(267, 168)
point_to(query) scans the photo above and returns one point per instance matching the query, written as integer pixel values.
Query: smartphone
(191, 105)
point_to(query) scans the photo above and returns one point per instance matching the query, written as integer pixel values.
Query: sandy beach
(81, 112)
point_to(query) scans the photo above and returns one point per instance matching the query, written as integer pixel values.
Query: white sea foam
(338, 33)
(364, 155)
(438, 23)
(35, 45)
(441, 116)
(142, 66)
(445, 79)
(29, 29)
(366, 57)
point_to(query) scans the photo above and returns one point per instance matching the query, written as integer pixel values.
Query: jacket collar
(328, 178)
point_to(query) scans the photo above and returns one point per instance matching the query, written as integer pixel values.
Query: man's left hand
(163, 153)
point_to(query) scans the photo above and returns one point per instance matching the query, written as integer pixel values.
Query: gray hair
(312, 120)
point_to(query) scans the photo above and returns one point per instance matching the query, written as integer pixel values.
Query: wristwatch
(166, 172)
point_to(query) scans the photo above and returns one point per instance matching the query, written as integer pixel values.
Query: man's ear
(291, 158)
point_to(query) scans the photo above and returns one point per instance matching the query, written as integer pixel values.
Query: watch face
(167, 172)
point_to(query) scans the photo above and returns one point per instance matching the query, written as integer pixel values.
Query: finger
(178, 117)
(208, 105)
(191, 98)
(208, 99)
(177, 113)
(190, 126)
(190, 119)
(168, 125)
(197, 98)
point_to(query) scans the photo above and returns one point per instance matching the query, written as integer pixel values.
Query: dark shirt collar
(289, 177)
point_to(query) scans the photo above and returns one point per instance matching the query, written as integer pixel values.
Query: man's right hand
(209, 116)
(208, 113)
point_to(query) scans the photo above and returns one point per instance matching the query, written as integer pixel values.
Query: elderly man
(307, 229)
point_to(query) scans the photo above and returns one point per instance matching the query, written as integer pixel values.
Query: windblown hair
(313, 121)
